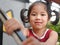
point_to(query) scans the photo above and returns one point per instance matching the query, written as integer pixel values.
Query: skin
(12, 24)
(38, 20)
(51, 41)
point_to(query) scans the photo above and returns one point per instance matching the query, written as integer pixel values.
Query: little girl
(38, 16)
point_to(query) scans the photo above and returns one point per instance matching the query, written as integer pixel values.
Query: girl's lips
(38, 23)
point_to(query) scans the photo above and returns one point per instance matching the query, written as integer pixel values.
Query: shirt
(43, 38)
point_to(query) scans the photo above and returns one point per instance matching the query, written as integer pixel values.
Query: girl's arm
(52, 39)
(12, 24)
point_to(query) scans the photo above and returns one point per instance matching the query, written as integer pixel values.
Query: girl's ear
(55, 17)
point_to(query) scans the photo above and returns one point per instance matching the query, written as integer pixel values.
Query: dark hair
(38, 2)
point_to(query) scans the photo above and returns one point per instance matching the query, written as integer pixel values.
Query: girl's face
(38, 16)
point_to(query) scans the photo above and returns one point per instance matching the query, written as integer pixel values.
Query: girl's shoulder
(54, 33)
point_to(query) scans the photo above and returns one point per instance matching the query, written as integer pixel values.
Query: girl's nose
(38, 17)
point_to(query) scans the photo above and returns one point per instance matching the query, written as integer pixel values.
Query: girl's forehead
(39, 4)
(39, 7)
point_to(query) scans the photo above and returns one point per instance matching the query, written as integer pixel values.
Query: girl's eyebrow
(33, 11)
(43, 12)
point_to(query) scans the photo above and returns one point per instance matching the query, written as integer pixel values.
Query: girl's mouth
(38, 23)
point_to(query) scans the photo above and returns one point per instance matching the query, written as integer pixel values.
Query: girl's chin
(38, 27)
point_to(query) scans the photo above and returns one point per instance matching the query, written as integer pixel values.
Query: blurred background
(13, 8)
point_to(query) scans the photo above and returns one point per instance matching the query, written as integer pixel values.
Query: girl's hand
(31, 41)
(12, 24)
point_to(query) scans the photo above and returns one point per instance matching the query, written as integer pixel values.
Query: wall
(16, 7)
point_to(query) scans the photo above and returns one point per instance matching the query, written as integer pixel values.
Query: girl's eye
(42, 14)
(33, 14)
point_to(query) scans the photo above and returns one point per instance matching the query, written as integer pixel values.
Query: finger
(13, 28)
(10, 22)
(30, 39)
(30, 43)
